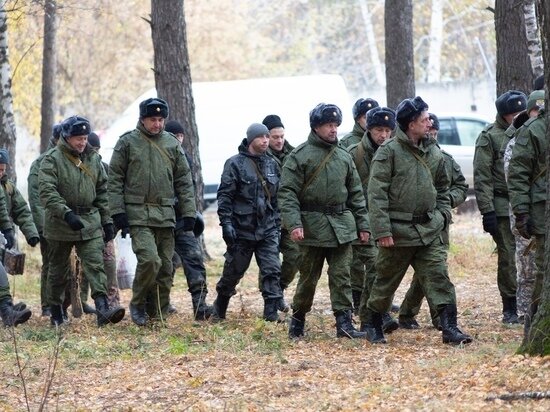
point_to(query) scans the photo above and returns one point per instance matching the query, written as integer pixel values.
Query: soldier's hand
(364, 237)
(73, 221)
(108, 232)
(490, 223)
(121, 223)
(33, 241)
(386, 241)
(229, 234)
(297, 235)
(524, 225)
(9, 235)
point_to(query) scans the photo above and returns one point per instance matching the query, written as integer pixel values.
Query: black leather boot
(356, 298)
(270, 310)
(450, 332)
(201, 311)
(11, 316)
(297, 325)
(87, 309)
(408, 323)
(105, 314)
(56, 317)
(509, 311)
(282, 306)
(344, 327)
(138, 314)
(373, 328)
(19, 306)
(389, 324)
(220, 308)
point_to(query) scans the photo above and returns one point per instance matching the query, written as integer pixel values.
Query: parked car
(457, 136)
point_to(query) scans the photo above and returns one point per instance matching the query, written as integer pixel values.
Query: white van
(224, 110)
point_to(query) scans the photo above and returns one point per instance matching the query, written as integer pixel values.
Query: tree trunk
(436, 40)
(371, 41)
(7, 121)
(536, 341)
(534, 46)
(49, 63)
(399, 51)
(173, 76)
(513, 62)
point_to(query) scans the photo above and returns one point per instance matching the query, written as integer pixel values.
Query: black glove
(121, 223)
(228, 233)
(490, 223)
(73, 221)
(188, 224)
(9, 235)
(108, 232)
(33, 241)
(524, 225)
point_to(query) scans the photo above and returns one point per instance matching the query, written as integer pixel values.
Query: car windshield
(468, 130)
(459, 131)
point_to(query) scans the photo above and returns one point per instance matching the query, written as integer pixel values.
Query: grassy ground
(247, 364)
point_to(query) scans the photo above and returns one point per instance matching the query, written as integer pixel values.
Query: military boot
(46, 311)
(105, 314)
(344, 327)
(138, 314)
(19, 306)
(408, 323)
(297, 324)
(509, 311)
(389, 324)
(87, 309)
(373, 328)
(282, 306)
(56, 317)
(201, 311)
(11, 316)
(219, 308)
(450, 332)
(356, 299)
(270, 310)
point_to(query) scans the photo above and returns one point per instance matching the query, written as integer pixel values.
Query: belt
(80, 210)
(327, 210)
(416, 219)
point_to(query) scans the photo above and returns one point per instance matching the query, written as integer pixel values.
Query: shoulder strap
(319, 168)
(78, 163)
(417, 157)
(162, 151)
(358, 159)
(261, 177)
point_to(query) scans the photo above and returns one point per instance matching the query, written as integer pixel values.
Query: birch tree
(436, 40)
(49, 63)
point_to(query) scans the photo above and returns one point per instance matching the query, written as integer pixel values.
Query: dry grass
(246, 364)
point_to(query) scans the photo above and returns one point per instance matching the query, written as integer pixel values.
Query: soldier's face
(3, 168)
(277, 138)
(362, 120)
(380, 134)
(259, 145)
(77, 143)
(432, 133)
(328, 132)
(153, 124)
(421, 125)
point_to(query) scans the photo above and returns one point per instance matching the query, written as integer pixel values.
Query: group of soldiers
(371, 204)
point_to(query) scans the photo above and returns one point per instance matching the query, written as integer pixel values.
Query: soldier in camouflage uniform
(187, 247)
(409, 207)
(527, 189)
(73, 191)
(278, 150)
(380, 124)
(359, 110)
(525, 255)
(323, 208)
(109, 255)
(148, 168)
(37, 211)
(250, 221)
(492, 196)
(458, 191)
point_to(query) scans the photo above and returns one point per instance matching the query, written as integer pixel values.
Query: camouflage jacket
(5, 222)
(18, 210)
(244, 200)
(527, 172)
(280, 157)
(352, 137)
(145, 173)
(458, 189)
(409, 191)
(33, 192)
(72, 182)
(331, 209)
(489, 182)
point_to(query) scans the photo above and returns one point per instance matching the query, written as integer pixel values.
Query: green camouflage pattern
(18, 209)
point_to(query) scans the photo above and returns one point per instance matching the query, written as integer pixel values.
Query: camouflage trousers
(187, 248)
(313, 259)
(539, 263)
(367, 255)
(90, 252)
(430, 265)
(4, 284)
(291, 259)
(109, 263)
(525, 268)
(506, 252)
(237, 260)
(358, 266)
(44, 271)
(153, 247)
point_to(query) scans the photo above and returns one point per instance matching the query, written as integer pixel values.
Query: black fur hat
(153, 107)
(510, 102)
(381, 116)
(362, 106)
(75, 126)
(408, 110)
(325, 113)
(435, 121)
